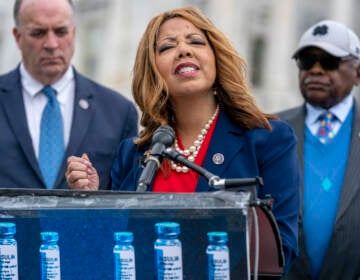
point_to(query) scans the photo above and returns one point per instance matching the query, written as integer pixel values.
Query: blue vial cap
(167, 228)
(217, 236)
(49, 236)
(123, 236)
(7, 228)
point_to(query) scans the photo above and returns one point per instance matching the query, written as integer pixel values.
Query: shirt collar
(33, 87)
(340, 110)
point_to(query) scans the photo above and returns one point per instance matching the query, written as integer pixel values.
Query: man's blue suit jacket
(247, 153)
(97, 131)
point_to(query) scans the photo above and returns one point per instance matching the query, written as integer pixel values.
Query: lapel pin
(83, 104)
(218, 158)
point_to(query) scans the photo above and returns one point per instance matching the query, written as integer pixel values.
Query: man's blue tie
(325, 132)
(51, 149)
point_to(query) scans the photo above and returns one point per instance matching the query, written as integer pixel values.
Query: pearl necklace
(193, 150)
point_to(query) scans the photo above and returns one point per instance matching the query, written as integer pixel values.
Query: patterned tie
(325, 132)
(51, 149)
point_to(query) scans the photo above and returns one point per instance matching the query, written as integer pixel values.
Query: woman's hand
(80, 174)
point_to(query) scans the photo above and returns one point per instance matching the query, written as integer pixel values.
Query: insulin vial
(124, 256)
(49, 256)
(218, 256)
(8, 252)
(168, 252)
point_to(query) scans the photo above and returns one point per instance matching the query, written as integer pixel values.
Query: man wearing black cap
(328, 131)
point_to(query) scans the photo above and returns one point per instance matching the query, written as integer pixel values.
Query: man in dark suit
(93, 119)
(328, 131)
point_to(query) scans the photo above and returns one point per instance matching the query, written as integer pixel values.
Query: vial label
(8, 262)
(124, 265)
(50, 264)
(169, 262)
(219, 268)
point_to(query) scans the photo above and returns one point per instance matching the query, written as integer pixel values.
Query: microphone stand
(241, 184)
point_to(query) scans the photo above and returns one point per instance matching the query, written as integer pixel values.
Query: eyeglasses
(327, 62)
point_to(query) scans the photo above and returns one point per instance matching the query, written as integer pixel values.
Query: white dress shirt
(340, 110)
(35, 102)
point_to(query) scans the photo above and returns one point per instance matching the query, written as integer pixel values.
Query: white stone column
(9, 53)
(342, 10)
(280, 88)
(230, 17)
(114, 68)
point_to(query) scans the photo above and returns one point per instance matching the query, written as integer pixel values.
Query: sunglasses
(327, 62)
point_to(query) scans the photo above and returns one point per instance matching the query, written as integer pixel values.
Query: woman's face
(185, 59)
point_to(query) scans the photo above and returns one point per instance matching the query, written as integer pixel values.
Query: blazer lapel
(224, 146)
(84, 110)
(13, 104)
(352, 175)
(297, 122)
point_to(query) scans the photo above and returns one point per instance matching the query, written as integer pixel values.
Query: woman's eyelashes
(165, 47)
(168, 46)
(198, 42)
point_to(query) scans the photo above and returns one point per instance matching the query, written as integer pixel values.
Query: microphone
(163, 138)
(238, 182)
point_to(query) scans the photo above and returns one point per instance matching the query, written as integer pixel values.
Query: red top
(168, 180)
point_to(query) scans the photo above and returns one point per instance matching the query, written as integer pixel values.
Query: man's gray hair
(17, 6)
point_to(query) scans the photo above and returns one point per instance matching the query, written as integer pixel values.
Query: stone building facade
(265, 33)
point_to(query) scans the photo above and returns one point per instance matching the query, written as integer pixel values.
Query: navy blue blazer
(97, 131)
(247, 153)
